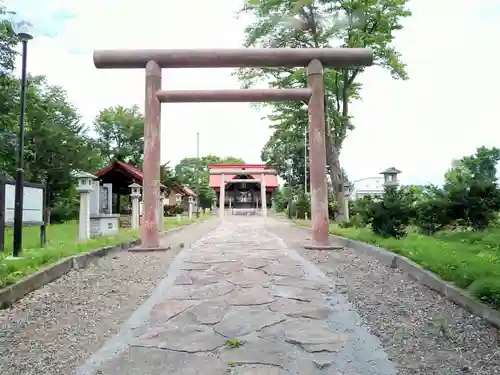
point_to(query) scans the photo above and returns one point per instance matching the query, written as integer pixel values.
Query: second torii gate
(154, 60)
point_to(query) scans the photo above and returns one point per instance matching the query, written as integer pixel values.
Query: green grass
(61, 243)
(470, 260)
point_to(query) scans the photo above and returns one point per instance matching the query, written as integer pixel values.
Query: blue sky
(447, 109)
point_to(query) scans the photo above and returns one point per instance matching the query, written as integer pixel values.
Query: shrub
(354, 221)
(432, 212)
(333, 207)
(302, 205)
(359, 209)
(64, 209)
(472, 191)
(172, 210)
(487, 290)
(390, 216)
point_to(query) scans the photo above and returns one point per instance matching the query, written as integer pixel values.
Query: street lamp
(198, 175)
(23, 30)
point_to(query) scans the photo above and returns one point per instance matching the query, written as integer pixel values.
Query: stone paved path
(241, 286)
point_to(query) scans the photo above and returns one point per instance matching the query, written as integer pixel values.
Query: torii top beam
(233, 58)
(242, 172)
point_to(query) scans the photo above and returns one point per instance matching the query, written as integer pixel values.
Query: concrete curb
(422, 276)
(13, 293)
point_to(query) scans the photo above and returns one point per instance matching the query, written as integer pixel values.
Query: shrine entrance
(243, 194)
(242, 185)
(153, 61)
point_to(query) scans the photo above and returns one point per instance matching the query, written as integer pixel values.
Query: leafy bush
(487, 290)
(302, 205)
(390, 216)
(355, 221)
(432, 211)
(64, 209)
(333, 207)
(172, 210)
(359, 209)
(469, 198)
(474, 205)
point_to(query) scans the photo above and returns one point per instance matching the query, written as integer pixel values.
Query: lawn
(470, 260)
(61, 242)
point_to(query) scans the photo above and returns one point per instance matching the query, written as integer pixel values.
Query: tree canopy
(57, 142)
(319, 24)
(189, 169)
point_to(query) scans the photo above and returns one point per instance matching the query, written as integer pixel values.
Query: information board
(32, 205)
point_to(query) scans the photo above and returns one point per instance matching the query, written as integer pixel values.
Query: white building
(374, 186)
(369, 186)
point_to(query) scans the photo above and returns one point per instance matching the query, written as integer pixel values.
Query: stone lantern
(135, 194)
(85, 186)
(348, 189)
(85, 182)
(161, 212)
(391, 177)
(190, 208)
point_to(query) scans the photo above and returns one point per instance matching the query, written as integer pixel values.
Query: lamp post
(23, 31)
(197, 175)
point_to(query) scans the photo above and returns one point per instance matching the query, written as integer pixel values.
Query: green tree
(321, 24)
(120, 134)
(189, 169)
(56, 143)
(9, 98)
(167, 176)
(8, 42)
(471, 189)
(390, 216)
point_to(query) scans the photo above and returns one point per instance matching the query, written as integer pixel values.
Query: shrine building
(241, 185)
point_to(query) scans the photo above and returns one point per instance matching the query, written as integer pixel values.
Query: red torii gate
(153, 61)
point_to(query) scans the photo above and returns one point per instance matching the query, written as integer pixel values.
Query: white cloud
(446, 110)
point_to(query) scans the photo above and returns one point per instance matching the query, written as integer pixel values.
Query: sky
(447, 108)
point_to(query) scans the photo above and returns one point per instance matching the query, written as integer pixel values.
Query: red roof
(137, 174)
(187, 191)
(270, 179)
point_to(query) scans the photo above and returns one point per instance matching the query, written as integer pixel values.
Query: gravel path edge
(424, 277)
(15, 292)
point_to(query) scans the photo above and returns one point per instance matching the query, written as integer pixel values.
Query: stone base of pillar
(310, 246)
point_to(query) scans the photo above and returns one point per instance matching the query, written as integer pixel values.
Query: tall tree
(167, 176)
(322, 24)
(56, 143)
(8, 95)
(8, 42)
(189, 168)
(120, 134)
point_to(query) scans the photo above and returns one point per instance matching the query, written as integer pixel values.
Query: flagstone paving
(240, 302)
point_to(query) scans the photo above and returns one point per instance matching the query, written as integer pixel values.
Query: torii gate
(154, 60)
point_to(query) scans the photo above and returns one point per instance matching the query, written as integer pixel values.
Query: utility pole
(198, 175)
(305, 164)
(305, 160)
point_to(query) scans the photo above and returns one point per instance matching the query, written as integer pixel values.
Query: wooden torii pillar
(154, 60)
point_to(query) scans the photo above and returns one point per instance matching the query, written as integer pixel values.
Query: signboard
(33, 207)
(32, 204)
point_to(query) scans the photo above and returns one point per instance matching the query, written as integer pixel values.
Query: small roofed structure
(120, 175)
(391, 176)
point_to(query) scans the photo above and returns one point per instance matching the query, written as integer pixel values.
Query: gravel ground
(54, 329)
(422, 332)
